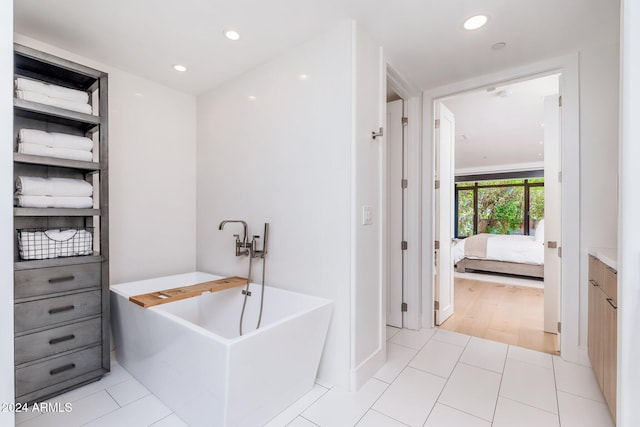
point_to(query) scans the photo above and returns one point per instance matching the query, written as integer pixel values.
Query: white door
(552, 213)
(444, 167)
(395, 156)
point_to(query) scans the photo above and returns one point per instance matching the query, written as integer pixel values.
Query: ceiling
(498, 128)
(423, 39)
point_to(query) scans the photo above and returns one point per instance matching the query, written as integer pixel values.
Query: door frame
(568, 67)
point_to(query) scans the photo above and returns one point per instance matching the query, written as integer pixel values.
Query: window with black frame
(498, 206)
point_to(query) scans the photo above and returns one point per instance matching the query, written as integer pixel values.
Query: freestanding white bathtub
(190, 355)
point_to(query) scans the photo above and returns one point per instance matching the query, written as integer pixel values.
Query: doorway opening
(497, 213)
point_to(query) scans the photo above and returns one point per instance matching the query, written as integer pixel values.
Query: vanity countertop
(609, 256)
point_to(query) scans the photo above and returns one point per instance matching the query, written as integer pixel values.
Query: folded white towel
(54, 139)
(53, 91)
(56, 102)
(60, 153)
(54, 202)
(55, 243)
(38, 186)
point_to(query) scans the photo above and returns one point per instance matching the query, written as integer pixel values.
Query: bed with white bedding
(499, 253)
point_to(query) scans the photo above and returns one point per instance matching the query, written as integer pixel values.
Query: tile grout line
(529, 405)
(465, 412)
(378, 398)
(504, 366)
(555, 384)
(388, 416)
(306, 407)
(447, 382)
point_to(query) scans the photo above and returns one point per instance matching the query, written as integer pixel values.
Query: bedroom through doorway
(498, 202)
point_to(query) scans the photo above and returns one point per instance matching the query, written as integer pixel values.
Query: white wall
(285, 158)
(152, 149)
(599, 97)
(6, 209)
(368, 329)
(629, 233)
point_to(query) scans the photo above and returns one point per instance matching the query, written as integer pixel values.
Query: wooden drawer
(51, 311)
(596, 270)
(43, 281)
(610, 286)
(40, 375)
(47, 343)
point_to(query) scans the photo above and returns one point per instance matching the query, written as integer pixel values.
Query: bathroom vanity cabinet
(602, 324)
(61, 305)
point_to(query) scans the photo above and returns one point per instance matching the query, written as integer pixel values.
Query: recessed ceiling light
(303, 77)
(252, 98)
(540, 142)
(540, 154)
(138, 94)
(232, 34)
(180, 68)
(498, 46)
(475, 22)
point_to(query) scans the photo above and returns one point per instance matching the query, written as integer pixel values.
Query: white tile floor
(432, 378)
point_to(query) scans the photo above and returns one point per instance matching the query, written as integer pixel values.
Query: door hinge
(559, 327)
(405, 121)
(436, 305)
(403, 307)
(560, 176)
(560, 101)
(403, 245)
(404, 183)
(560, 252)
(436, 244)
(437, 184)
(437, 123)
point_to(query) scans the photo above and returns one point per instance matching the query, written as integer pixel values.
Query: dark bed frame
(503, 267)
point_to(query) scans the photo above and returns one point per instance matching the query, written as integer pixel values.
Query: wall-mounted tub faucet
(244, 247)
(240, 244)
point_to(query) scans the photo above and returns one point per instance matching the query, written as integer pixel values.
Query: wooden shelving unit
(61, 308)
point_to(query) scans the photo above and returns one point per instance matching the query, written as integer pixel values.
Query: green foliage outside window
(501, 210)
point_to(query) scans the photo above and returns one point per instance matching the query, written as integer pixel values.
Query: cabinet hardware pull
(61, 339)
(62, 369)
(61, 309)
(610, 301)
(593, 282)
(62, 279)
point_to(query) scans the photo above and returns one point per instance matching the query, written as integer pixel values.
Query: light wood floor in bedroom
(503, 313)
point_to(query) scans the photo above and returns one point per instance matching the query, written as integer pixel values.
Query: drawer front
(40, 375)
(610, 283)
(51, 311)
(47, 343)
(43, 281)
(596, 270)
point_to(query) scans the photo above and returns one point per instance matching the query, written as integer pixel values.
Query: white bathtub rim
(322, 302)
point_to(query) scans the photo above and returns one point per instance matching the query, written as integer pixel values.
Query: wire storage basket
(41, 243)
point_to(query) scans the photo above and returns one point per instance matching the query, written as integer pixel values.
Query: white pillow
(540, 231)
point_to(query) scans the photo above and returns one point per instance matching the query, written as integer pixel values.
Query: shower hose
(246, 293)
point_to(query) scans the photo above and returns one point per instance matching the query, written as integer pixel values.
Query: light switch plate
(366, 215)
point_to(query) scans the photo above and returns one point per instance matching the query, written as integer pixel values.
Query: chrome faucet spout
(239, 221)
(243, 247)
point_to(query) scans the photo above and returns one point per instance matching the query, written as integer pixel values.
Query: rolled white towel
(55, 139)
(53, 91)
(57, 152)
(39, 186)
(54, 202)
(56, 102)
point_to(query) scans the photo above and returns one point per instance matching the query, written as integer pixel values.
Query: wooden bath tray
(176, 294)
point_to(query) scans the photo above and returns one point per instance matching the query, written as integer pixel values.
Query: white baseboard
(366, 369)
